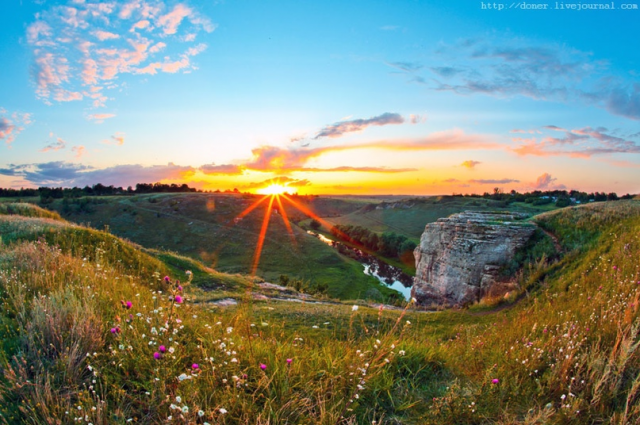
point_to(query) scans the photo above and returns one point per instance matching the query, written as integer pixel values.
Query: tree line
(561, 198)
(389, 244)
(95, 190)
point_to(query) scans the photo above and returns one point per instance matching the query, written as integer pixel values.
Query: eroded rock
(459, 258)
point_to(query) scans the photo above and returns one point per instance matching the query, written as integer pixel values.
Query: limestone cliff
(459, 257)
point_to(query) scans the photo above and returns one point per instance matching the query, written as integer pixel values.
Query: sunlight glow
(274, 189)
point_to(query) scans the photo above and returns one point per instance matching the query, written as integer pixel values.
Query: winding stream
(391, 276)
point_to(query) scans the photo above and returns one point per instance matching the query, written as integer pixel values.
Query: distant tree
(315, 224)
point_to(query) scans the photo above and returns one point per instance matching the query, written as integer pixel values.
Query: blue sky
(412, 97)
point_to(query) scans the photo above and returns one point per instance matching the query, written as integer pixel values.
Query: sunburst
(276, 193)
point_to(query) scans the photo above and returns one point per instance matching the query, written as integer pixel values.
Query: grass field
(202, 226)
(409, 216)
(73, 350)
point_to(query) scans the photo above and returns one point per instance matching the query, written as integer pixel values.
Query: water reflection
(391, 276)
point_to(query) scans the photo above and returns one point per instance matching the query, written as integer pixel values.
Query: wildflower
(180, 288)
(200, 413)
(354, 308)
(128, 304)
(115, 330)
(222, 410)
(185, 409)
(495, 381)
(263, 366)
(178, 399)
(157, 355)
(289, 361)
(178, 299)
(188, 273)
(162, 348)
(166, 279)
(195, 366)
(401, 352)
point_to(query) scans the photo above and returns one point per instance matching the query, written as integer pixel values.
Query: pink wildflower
(166, 279)
(180, 288)
(157, 355)
(162, 348)
(495, 381)
(263, 366)
(289, 361)
(129, 304)
(178, 299)
(195, 366)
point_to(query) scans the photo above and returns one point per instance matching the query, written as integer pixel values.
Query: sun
(274, 189)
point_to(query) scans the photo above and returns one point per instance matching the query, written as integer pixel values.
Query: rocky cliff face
(459, 257)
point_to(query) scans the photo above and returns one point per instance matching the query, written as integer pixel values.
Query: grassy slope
(409, 217)
(201, 226)
(566, 354)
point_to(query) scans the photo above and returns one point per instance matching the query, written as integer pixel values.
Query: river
(391, 276)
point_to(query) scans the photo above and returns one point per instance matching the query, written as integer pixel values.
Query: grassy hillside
(409, 216)
(74, 350)
(202, 226)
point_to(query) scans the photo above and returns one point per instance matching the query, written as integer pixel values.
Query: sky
(325, 97)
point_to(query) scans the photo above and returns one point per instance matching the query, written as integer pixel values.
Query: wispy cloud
(55, 146)
(60, 173)
(80, 151)
(222, 169)
(504, 66)
(406, 66)
(494, 181)
(545, 182)
(273, 158)
(470, 164)
(342, 127)
(577, 143)
(282, 180)
(82, 48)
(116, 139)
(99, 118)
(12, 124)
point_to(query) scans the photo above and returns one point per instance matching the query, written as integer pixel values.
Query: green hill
(202, 227)
(73, 349)
(408, 216)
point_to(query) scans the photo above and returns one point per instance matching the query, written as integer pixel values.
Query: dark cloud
(342, 127)
(492, 181)
(226, 169)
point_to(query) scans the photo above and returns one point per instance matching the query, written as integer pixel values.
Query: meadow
(202, 226)
(95, 329)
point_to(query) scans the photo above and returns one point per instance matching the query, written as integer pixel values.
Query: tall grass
(93, 340)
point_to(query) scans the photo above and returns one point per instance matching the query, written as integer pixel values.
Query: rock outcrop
(459, 258)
